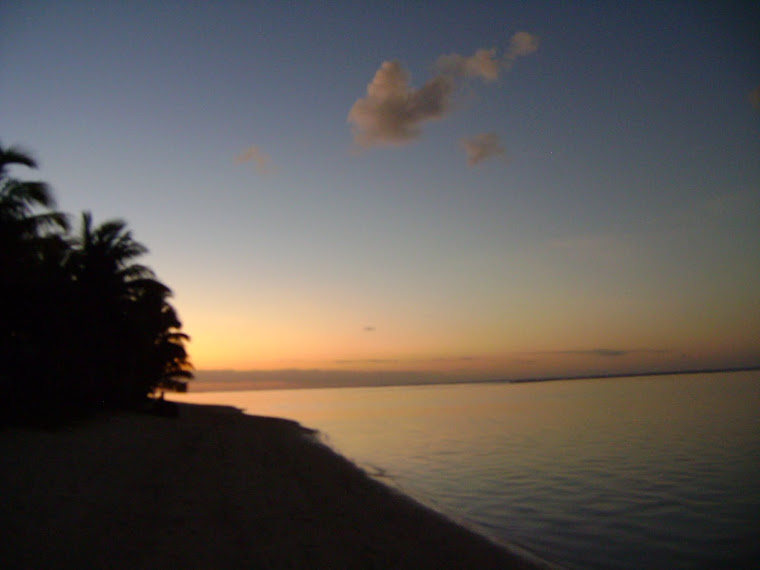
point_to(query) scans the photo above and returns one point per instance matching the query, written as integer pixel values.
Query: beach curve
(213, 488)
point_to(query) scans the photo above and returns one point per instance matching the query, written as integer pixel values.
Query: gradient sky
(584, 198)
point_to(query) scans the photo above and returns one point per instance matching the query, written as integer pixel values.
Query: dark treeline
(82, 325)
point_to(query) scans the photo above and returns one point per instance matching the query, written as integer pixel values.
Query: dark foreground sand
(213, 488)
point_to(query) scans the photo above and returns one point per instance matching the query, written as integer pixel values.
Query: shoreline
(214, 488)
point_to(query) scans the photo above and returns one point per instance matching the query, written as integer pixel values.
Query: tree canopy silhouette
(82, 325)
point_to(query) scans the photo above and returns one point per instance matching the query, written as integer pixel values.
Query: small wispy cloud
(254, 154)
(520, 45)
(609, 352)
(485, 64)
(369, 328)
(480, 147)
(367, 361)
(393, 112)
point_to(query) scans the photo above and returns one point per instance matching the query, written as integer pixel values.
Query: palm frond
(84, 239)
(50, 221)
(14, 154)
(176, 337)
(138, 276)
(21, 197)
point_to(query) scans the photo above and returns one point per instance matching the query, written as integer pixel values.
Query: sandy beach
(212, 488)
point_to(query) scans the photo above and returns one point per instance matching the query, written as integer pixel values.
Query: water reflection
(660, 470)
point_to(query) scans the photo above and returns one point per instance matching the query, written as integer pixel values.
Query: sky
(473, 190)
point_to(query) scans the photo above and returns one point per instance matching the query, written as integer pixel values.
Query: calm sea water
(650, 472)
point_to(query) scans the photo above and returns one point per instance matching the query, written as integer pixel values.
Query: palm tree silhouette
(83, 325)
(164, 363)
(126, 320)
(22, 226)
(32, 283)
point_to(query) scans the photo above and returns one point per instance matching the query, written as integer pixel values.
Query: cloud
(480, 147)
(367, 361)
(254, 153)
(609, 352)
(754, 98)
(520, 45)
(484, 64)
(393, 111)
(369, 329)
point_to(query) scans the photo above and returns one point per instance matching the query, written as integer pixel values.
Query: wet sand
(212, 488)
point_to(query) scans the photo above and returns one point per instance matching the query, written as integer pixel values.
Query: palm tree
(22, 226)
(125, 318)
(30, 239)
(32, 247)
(163, 362)
(82, 324)
(103, 256)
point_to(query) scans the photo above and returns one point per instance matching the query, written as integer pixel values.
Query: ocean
(638, 472)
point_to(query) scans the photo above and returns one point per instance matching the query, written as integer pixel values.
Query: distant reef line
(290, 379)
(631, 374)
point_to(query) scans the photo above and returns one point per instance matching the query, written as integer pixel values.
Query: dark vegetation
(83, 327)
